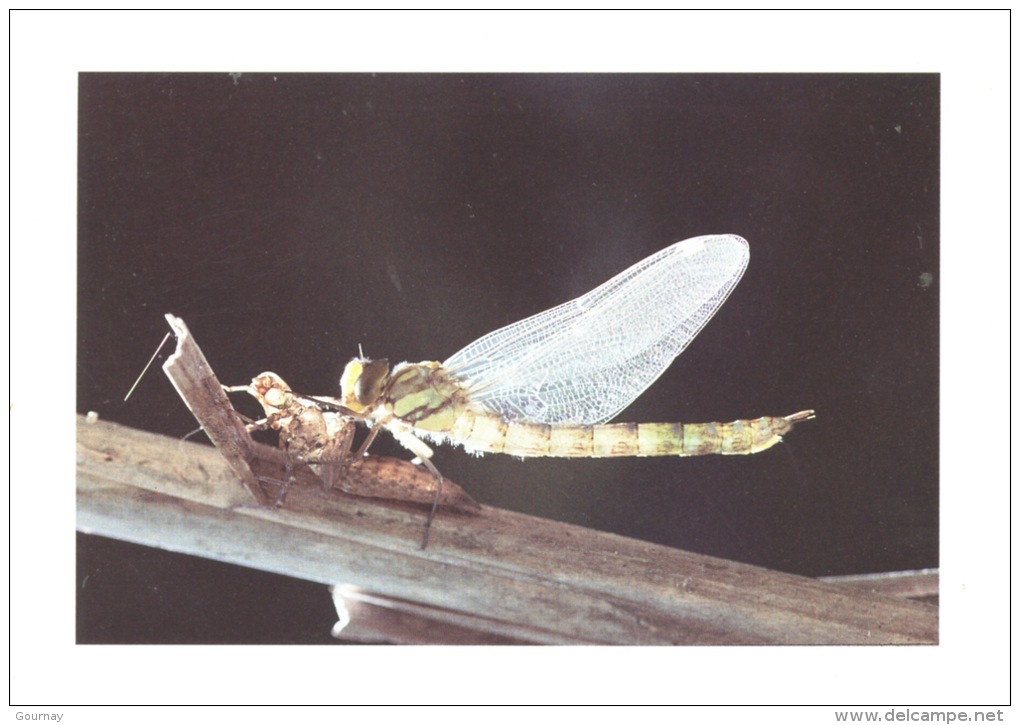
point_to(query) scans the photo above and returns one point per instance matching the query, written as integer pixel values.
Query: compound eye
(362, 383)
(370, 384)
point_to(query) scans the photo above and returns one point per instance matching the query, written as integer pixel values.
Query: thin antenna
(147, 366)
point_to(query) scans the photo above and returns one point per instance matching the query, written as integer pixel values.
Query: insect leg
(435, 502)
(288, 476)
(332, 459)
(372, 433)
(271, 422)
(423, 453)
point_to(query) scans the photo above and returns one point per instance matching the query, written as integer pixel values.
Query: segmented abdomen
(492, 434)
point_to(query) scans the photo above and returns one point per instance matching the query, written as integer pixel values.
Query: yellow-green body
(422, 400)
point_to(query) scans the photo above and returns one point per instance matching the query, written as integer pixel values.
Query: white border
(970, 50)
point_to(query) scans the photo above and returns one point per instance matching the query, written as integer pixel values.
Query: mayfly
(549, 384)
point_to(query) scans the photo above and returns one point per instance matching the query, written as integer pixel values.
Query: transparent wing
(586, 360)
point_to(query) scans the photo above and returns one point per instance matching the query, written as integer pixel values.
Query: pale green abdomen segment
(492, 434)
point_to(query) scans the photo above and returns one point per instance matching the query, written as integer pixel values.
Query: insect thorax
(425, 395)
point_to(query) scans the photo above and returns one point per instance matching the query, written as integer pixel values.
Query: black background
(288, 218)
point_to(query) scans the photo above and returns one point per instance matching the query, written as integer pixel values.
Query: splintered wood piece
(197, 385)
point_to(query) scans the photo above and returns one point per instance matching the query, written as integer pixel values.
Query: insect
(547, 385)
(314, 436)
(321, 440)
